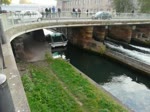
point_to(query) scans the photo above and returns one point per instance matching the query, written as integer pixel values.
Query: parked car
(55, 39)
(102, 15)
(30, 15)
(26, 16)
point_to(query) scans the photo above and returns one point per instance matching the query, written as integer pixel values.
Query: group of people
(76, 12)
(52, 11)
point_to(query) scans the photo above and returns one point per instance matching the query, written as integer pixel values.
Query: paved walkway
(35, 50)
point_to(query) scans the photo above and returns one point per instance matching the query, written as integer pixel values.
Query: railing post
(6, 103)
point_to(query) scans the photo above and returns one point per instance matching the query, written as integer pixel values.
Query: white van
(28, 16)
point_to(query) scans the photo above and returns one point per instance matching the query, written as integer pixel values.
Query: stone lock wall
(83, 38)
(141, 35)
(18, 48)
(120, 33)
(80, 35)
(92, 37)
(141, 31)
(99, 33)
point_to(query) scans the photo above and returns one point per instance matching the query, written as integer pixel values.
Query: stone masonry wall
(99, 33)
(83, 38)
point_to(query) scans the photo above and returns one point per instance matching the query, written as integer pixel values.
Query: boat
(55, 39)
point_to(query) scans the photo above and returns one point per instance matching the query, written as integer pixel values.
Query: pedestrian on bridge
(46, 11)
(59, 11)
(53, 11)
(49, 12)
(79, 12)
(132, 12)
(73, 12)
(87, 11)
(76, 12)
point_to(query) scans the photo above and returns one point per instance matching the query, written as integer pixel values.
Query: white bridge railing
(11, 19)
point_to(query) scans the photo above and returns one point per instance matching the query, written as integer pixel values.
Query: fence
(13, 18)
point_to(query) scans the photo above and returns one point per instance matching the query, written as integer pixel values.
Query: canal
(130, 87)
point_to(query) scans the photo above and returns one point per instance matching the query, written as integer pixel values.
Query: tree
(123, 5)
(144, 6)
(25, 1)
(5, 1)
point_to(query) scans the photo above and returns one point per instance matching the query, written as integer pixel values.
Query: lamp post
(2, 41)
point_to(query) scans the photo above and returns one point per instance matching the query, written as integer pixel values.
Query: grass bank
(57, 87)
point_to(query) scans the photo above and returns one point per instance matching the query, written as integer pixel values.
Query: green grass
(45, 93)
(58, 87)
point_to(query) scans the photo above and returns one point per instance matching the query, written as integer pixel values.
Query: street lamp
(2, 41)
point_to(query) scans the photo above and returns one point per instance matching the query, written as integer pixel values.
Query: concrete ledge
(14, 81)
(136, 65)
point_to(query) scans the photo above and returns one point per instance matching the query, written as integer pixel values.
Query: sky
(46, 2)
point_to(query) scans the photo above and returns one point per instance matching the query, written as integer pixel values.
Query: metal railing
(11, 19)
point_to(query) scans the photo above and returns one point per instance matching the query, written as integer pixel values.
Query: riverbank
(55, 85)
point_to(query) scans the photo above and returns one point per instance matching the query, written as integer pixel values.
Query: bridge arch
(17, 30)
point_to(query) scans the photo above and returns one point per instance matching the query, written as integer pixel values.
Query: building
(25, 1)
(90, 5)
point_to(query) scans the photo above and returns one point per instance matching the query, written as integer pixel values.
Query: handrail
(12, 19)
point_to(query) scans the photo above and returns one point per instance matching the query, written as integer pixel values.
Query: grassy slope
(67, 91)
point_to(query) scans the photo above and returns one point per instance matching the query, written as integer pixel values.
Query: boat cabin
(55, 39)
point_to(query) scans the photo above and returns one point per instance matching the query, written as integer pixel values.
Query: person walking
(79, 12)
(76, 12)
(49, 11)
(73, 12)
(46, 12)
(53, 11)
(87, 11)
(59, 11)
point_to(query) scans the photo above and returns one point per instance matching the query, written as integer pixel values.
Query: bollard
(6, 103)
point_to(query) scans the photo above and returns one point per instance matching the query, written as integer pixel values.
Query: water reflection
(133, 94)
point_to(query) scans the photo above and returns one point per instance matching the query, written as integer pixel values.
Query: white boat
(55, 39)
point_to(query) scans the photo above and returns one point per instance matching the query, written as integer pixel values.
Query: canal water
(130, 87)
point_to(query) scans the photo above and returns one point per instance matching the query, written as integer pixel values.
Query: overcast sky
(46, 2)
